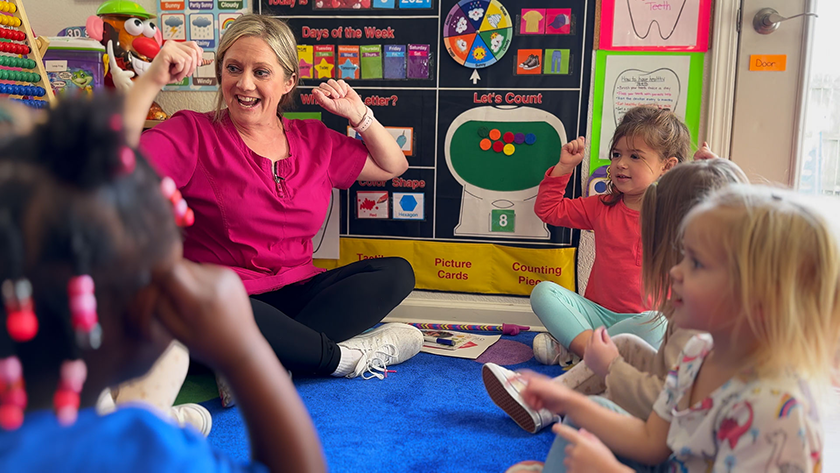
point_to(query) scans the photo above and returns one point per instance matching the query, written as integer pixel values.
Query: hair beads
(184, 215)
(21, 322)
(12, 395)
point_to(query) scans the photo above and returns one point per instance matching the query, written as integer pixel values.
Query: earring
(83, 317)
(13, 399)
(21, 322)
(66, 399)
(184, 215)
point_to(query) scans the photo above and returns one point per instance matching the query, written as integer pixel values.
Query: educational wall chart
(202, 21)
(651, 25)
(480, 95)
(625, 80)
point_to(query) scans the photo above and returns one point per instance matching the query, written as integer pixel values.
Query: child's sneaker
(503, 386)
(195, 415)
(548, 351)
(528, 466)
(388, 344)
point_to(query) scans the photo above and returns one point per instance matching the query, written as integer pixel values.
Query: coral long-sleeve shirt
(615, 280)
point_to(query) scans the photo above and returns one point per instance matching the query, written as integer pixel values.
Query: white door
(786, 124)
(766, 124)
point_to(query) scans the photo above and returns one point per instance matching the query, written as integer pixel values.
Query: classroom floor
(200, 387)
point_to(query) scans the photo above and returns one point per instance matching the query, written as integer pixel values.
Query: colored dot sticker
(485, 144)
(508, 137)
(498, 146)
(509, 149)
(530, 139)
(483, 131)
(519, 138)
(495, 134)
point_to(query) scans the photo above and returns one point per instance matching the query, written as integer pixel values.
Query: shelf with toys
(22, 74)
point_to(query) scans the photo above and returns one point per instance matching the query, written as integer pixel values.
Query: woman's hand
(339, 98)
(542, 393)
(175, 61)
(586, 453)
(600, 352)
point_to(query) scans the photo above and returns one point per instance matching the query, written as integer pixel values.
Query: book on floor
(456, 344)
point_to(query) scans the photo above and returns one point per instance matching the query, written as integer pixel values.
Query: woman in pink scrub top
(260, 186)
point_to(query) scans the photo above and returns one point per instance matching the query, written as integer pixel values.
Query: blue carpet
(432, 415)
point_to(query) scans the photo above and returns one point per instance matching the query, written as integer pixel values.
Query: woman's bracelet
(365, 122)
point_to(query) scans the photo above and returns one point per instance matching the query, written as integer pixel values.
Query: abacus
(22, 74)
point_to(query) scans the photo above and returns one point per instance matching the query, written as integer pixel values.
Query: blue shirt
(131, 439)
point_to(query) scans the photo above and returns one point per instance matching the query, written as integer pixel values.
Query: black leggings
(304, 321)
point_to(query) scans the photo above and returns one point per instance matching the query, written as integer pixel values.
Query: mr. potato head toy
(131, 40)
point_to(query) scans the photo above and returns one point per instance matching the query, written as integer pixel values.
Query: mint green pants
(567, 314)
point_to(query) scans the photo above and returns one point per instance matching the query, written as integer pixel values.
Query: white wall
(48, 17)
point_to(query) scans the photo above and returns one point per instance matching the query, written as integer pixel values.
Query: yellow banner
(467, 267)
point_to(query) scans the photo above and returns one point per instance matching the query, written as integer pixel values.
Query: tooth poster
(626, 80)
(479, 95)
(202, 21)
(655, 25)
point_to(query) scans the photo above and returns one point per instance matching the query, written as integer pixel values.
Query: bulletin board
(655, 25)
(202, 21)
(480, 95)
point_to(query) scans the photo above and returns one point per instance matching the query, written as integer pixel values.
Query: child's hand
(586, 453)
(542, 393)
(704, 152)
(572, 152)
(600, 352)
(175, 61)
(207, 309)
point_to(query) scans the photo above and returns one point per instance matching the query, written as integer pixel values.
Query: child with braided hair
(94, 289)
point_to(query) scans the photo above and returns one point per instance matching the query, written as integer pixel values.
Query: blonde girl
(761, 274)
(628, 370)
(647, 143)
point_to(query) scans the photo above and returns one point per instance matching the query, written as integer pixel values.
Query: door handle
(767, 20)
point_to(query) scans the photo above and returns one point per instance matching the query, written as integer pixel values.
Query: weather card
(173, 26)
(202, 21)
(202, 30)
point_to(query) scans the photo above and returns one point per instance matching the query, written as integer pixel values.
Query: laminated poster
(655, 25)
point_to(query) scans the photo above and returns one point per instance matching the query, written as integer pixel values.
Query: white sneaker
(194, 415)
(548, 351)
(388, 344)
(503, 386)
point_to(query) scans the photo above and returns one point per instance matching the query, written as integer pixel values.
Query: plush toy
(131, 41)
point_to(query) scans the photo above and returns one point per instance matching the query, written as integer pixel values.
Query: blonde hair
(665, 204)
(277, 35)
(783, 256)
(660, 129)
